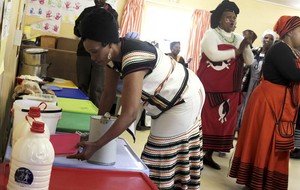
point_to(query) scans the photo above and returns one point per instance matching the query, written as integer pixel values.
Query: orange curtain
(200, 23)
(132, 17)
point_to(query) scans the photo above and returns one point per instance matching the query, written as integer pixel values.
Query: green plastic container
(71, 122)
(77, 106)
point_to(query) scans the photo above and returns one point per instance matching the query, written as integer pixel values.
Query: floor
(216, 179)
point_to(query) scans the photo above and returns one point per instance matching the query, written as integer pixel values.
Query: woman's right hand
(87, 149)
(246, 41)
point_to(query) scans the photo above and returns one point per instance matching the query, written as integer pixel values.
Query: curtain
(200, 23)
(132, 17)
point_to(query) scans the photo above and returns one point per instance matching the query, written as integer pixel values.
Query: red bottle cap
(34, 112)
(37, 127)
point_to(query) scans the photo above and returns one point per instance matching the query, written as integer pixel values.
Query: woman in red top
(221, 67)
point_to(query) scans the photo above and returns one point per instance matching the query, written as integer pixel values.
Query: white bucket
(51, 115)
(108, 153)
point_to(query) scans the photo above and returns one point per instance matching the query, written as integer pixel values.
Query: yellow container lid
(62, 83)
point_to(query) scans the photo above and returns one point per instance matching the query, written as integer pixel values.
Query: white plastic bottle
(31, 161)
(23, 128)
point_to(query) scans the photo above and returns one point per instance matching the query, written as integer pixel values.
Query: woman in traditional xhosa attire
(296, 153)
(255, 70)
(221, 68)
(171, 93)
(175, 50)
(261, 159)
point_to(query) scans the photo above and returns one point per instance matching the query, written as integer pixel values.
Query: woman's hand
(250, 35)
(88, 149)
(246, 41)
(189, 60)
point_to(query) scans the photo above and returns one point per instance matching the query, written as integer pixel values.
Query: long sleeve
(248, 56)
(209, 45)
(279, 66)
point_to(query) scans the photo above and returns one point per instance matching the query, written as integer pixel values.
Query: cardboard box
(48, 41)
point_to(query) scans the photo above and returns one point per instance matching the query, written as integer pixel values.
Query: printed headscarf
(286, 24)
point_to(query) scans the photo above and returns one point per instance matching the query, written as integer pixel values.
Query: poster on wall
(4, 29)
(6, 19)
(73, 8)
(58, 11)
(1, 42)
(49, 11)
(50, 26)
(113, 3)
(1, 16)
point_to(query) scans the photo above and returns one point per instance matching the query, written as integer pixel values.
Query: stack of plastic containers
(76, 114)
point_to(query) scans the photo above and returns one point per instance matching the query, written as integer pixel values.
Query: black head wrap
(226, 5)
(100, 25)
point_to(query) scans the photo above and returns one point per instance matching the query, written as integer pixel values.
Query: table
(128, 171)
(126, 160)
(78, 179)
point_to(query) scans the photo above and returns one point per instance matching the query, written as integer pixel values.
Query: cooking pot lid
(36, 50)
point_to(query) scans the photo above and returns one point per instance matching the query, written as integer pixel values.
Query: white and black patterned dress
(173, 96)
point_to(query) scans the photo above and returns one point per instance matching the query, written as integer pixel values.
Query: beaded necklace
(231, 39)
(295, 51)
(295, 86)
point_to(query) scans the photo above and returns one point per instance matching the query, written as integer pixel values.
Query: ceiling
(288, 3)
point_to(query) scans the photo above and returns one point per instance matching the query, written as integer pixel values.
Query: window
(164, 24)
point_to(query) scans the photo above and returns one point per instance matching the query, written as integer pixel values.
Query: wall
(254, 14)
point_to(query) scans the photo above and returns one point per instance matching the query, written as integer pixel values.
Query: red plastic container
(79, 179)
(65, 144)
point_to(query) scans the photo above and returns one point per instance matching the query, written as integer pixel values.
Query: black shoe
(211, 163)
(295, 154)
(142, 128)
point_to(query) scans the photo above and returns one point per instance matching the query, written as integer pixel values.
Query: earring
(109, 55)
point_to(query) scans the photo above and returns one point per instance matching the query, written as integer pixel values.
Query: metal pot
(34, 70)
(34, 56)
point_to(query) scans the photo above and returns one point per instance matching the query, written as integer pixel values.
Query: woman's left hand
(88, 149)
(250, 36)
(189, 60)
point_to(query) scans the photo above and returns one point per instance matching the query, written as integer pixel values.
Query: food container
(34, 62)
(34, 56)
(107, 155)
(50, 115)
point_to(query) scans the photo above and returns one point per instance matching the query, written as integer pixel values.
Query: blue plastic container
(71, 93)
